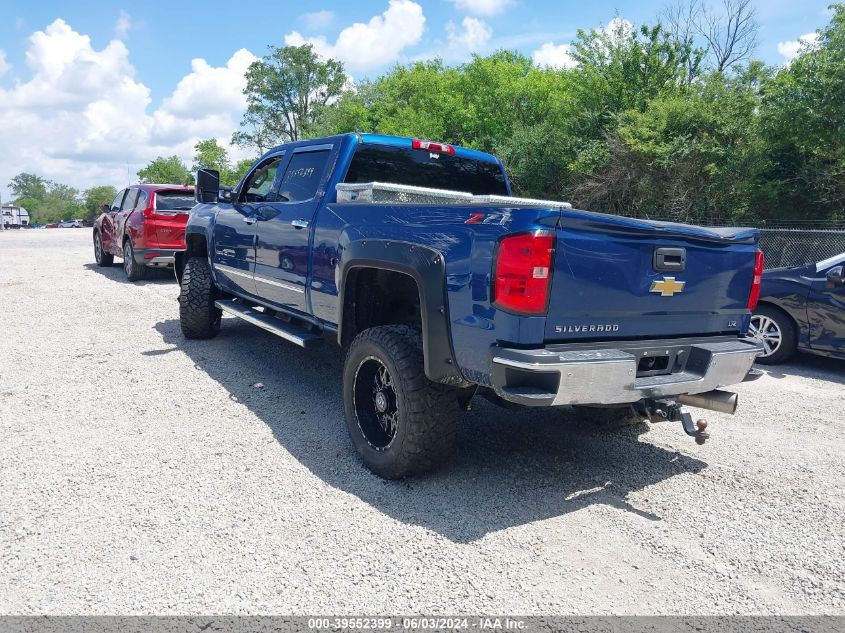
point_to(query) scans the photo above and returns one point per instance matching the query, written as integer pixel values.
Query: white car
(70, 224)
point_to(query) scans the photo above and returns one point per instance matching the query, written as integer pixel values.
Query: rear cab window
(420, 168)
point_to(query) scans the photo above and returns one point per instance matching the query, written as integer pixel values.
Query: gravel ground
(145, 474)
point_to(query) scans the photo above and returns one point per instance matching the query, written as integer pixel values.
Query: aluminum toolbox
(384, 192)
(387, 192)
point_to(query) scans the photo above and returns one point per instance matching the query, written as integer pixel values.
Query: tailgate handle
(670, 259)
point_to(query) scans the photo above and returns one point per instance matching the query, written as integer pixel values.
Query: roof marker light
(432, 146)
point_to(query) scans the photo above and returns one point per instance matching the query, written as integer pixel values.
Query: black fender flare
(428, 269)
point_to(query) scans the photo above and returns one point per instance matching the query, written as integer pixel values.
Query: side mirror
(208, 185)
(226, 194)
(835, 277)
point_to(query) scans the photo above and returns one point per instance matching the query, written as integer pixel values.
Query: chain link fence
(784, 243)
(796, 247)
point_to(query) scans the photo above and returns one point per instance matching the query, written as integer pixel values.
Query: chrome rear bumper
(608, 373)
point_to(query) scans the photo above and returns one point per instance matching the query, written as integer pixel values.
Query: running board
(287, 331)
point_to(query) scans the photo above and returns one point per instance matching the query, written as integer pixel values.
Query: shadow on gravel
(809, 366)
(511, 467)
(115, 273)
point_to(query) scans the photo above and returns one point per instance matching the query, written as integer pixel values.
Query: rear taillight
(523, 272)
(432, 146)
(754, 294)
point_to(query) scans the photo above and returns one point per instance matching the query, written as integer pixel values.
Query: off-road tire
(102, 258)
(134, 271)
(198, 315)
(788, 331)
(426, 412)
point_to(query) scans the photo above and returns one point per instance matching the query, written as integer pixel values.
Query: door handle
(249, 219)
(299, 224)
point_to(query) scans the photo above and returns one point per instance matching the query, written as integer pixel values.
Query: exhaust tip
(716, 400)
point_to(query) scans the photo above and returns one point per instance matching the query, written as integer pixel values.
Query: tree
(169, 170)
(96, 196)
(210, 155)
(803, 122)
(239, 171)
(732, 34)
(682, 20)
(691, 157)
(31, 186)
(62, 202)
(286, 92)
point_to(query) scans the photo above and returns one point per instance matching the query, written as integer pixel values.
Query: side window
(260, 183)
(142, 200)
(303, 175)
(115, 205)
(129, 200)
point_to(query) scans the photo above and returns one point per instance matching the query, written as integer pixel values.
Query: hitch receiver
(668, 411)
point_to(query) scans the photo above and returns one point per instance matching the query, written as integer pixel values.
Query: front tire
(400, 422)
(134, 271)
(198, 315)
(775, 330)
(102, 258)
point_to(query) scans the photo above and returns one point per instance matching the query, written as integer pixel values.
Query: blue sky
(76, 77)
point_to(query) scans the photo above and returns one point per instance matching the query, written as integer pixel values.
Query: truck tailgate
(627, 278)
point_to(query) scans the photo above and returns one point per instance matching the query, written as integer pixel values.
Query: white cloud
(554, 56)
(4, 65)
(375, 43)
(617, 30)
(82, 118)
(472, 35)
(123, 25)
(317, 19)
(793, 48)
(482, 7)
(207, 89)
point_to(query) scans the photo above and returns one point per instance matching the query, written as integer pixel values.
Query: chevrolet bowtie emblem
(667, 286)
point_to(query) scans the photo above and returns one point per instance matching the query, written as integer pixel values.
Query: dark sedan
(801, 308)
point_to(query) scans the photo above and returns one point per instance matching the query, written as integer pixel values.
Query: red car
(145, 225)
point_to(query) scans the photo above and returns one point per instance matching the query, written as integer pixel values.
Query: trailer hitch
(670, 411)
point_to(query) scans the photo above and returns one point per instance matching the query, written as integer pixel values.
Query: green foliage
(46, 201)
(638, 126)
(94, 197)
(286, 92)
(237, 172)
(62, 202)
(29, 186)
(691, 156)
(166, 171)
(209, 154)
(802, 120)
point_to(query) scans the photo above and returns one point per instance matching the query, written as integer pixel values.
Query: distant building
(14, 217)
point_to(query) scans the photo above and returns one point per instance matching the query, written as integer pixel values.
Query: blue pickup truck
(439, 299)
